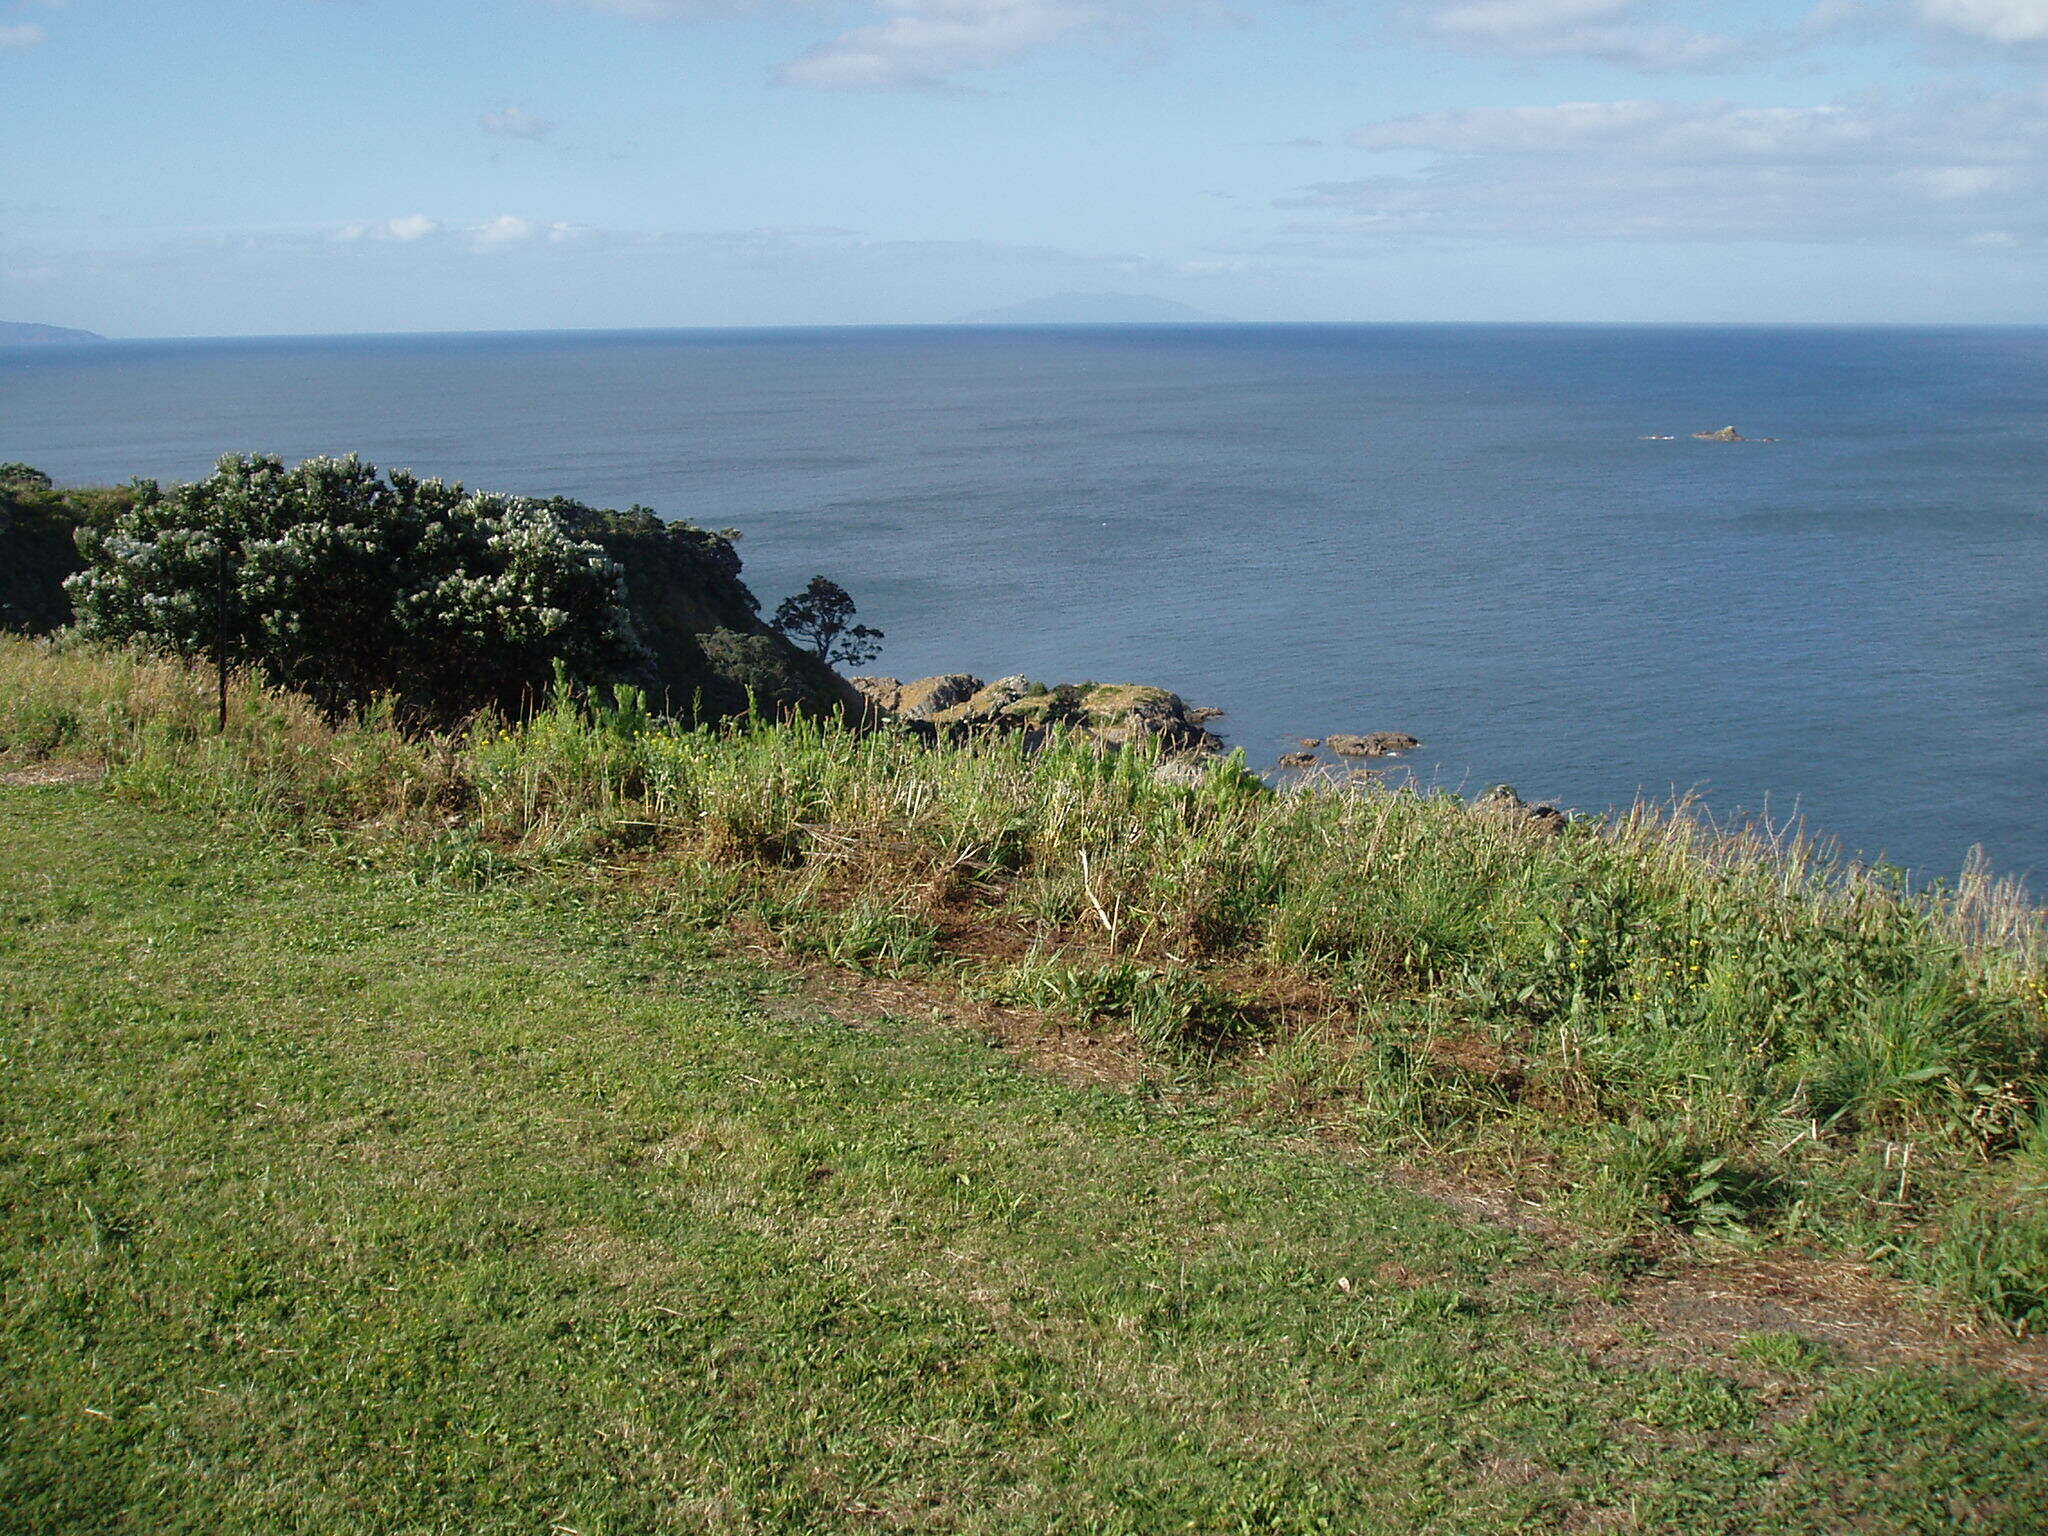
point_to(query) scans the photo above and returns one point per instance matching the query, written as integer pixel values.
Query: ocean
(1502, 539)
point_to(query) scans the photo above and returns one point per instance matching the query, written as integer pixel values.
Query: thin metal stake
(220, 632)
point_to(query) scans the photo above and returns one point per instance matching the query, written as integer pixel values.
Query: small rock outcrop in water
(1501, 801)
(1377, 744)
(1725, 435)
(1297, 760)
(1113, 713)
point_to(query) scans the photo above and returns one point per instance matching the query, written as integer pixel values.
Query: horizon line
(47, 347)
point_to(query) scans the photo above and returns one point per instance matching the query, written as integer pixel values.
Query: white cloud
(1998, 129)
(1643, 128)
(515, 123)
(1955, 183)
(916, 43)
(925, 42)
(508, 229)
(411, 226)
(1951, 169)
(1599, 29)
(505, 229)
(405, 229)
(24, 36)
(1993, 21)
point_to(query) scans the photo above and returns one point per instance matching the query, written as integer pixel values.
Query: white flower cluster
(351, 583)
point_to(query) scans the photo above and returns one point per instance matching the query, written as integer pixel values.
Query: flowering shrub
(348, 585)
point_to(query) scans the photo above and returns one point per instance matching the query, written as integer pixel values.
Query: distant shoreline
(20, 333)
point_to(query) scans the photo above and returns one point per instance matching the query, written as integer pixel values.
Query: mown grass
(344, 1201)
(1657, 1026)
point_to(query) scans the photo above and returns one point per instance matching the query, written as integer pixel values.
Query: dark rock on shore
(1377, 744)
(1501, 801)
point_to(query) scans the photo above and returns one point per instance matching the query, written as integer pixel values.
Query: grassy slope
(1668, 1033)
(337, 1203)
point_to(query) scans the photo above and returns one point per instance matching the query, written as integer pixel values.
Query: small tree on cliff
(821, 617)
(347, 585)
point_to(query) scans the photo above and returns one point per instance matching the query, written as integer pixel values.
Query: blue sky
(258, 166)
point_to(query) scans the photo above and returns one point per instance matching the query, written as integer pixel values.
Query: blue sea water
(1460, 531)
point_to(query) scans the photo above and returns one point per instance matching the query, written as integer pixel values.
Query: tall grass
(1655, 1023)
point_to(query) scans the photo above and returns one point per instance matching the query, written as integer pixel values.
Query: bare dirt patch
(1046, 1044)
(1695, 1308)
(51, 775)
(1692, 1304)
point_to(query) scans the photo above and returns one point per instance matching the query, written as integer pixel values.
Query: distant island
(16, 333)
(1093, 309)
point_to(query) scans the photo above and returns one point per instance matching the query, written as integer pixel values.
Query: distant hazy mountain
(1092, 309)
(14, 333)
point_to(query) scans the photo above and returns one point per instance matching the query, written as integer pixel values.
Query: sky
(241, 167)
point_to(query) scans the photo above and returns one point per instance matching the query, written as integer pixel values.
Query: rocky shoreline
(955, 705)
(958, 704)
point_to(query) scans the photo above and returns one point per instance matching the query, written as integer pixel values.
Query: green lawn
(335, 1203)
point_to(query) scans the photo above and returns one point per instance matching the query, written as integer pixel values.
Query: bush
(347, 585)
(709, 653)
(39, 547)
(764, 674)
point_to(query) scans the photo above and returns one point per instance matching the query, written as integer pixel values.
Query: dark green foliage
(709, 655)
(680, 583)
(1068, 706)
(766, 674)
(348, 585)
(642, 531)
(821, 617)
(38, 544)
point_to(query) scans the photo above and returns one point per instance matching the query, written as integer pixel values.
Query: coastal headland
(960, 1060)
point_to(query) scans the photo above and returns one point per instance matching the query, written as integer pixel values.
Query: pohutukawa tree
(349, 585)
(821, 617)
